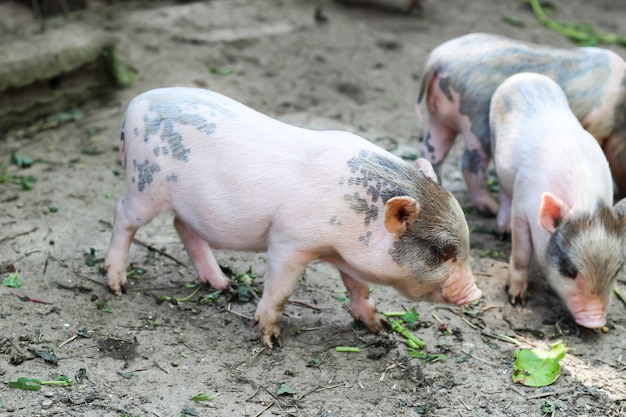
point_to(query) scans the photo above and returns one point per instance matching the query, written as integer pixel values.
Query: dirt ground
(317, 64)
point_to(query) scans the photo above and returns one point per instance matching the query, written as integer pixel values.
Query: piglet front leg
(521, 255)
(284, 266)
(362, 306)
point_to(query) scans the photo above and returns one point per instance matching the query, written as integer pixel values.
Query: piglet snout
(591, 315)
(458, 289)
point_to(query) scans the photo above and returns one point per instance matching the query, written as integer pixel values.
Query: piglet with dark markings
(556, 195)
(461, 75)
(237, 179)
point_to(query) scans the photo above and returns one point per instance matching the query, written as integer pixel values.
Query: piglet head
(583, 257)
(431, 242)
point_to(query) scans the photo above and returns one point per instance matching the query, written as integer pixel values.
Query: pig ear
(425, 167)
(552, 213)
(400, 212)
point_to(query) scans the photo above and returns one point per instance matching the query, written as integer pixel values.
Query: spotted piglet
(556, 195)
(461, 75)
(237, 179)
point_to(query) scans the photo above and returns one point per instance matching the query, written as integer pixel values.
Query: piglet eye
(567, 268)
(443, 253)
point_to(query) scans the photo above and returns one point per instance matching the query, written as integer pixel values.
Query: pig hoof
(375, 324)
(271, 341)
(514, 298)
(504, 236)
(118, 290)
(487, 211)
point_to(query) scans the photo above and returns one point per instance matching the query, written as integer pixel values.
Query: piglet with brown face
(461, 75)
(237, 179)
(556, 197)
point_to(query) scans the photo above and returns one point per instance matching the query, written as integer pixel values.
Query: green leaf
(12, 281)
(210, 298)
(26, 384)
(221, 71)
(62, 380)
(284, 389)
(314, 362)
(21, 161)
(411, 317)
(189, 411)
(537, 367)
(90, 258)
(548, 407)
(438, 357)
(418, 354)
(204, 397)
(80, 375)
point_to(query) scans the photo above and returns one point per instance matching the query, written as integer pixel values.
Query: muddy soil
(313, 63)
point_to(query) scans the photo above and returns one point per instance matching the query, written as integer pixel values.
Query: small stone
(46, 404)
(48, 394)
(442, 392)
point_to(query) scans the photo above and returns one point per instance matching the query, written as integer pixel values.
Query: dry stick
(517, 391)
(149, 247)
(321, 389)
(4, 239)
(478, 358)
(264, 410)
(466, 406)
(238, 314)
(303, 304)
(27, 298)
(68, 340)
(542, 395)
(89, 279)
(502, 338)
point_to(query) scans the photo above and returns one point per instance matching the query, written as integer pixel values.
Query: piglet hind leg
(201, 255)
(284, 266)
(504, 215)
(362, 307)
(474, 165)
(130, 215)
(521, 255)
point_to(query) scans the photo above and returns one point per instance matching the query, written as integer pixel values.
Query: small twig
(487, 308)
(514, 389)
(321, 389)
(27, 298)
(238, 314)
(264, 410)
(478, 358)
(436, 318)
(251, 357)
(503, 338)
(68, 340)
(4, 239)
(89, 279)
(303, 304)
(541, 395)
(149, 247)
(469, 323)
(466, 406)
